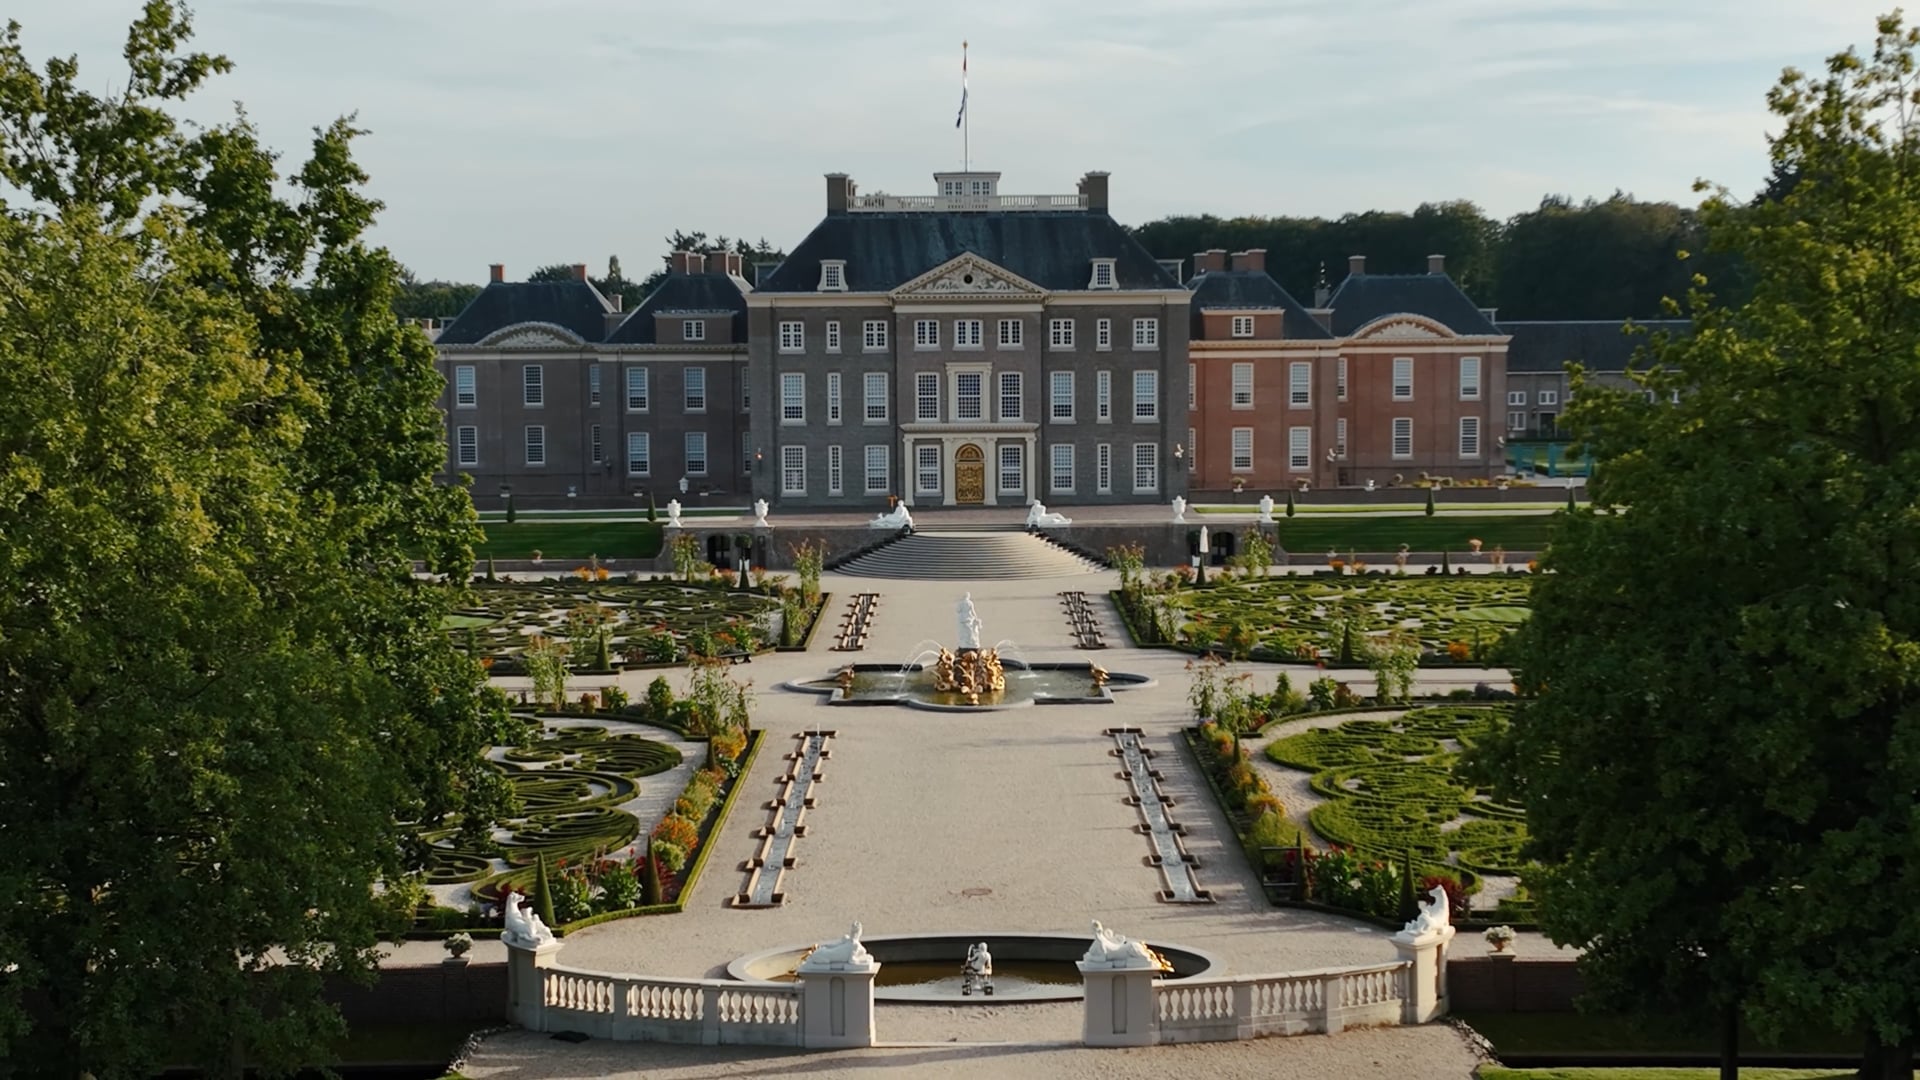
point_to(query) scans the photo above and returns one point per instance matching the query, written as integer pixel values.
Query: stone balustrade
(1297, 1003)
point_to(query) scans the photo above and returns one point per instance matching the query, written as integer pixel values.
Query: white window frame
(1549, 397)
(694, 446)
(1103, 276)
(1103, 334)
(833, 275)
(1060, 333)
(836, 478)
(1300, 448)
(967, 334)
(1193, 450)
(979, 395)
(1146, 462)
(1146, 396)
(926, 406)
(927, 465)
(746, 453)
(1013, 466)
(466, 445)
(1517, 421)
(1241, 460)
(1103, 396)
(593, 384)
(873, 335)
(693, 330)
(1013, 334)
(1401, 435)
(1103, 468)
(1060, 396)
(643, 442)
(466, 392)
(1516, 398)
(1242, 326)
(533, 386)
(693, 389)
(793, 470)
(1300, 384)
(1146, 333)
(1060, 464)
(1340, 379)
(1193, 387)
(1403, 378)
(596, 445)
(639, 389)
(926, 333)
(1011, 389)
(874, 399)
(793, 336)
(1340, 439)
(877, 481)
(1469, 378)
(832, 334)
(1243, 385)
(833, 397)
(793, 397)
(1469, 437)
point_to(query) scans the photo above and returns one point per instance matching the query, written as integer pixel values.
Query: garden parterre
(646, 621)
(1301, 618)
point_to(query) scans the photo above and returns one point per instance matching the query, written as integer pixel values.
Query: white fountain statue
(969, 624)
(1266, 509)
(673, 513)
(897, 518)
(1116, 950)
(1434, 914)
(760, 514)
(977, 971)
(1038, 517)
(847, 953)
(522, 925)
(1179, 510)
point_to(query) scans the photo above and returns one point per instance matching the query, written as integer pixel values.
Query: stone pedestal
(1427, 980)
(1119, 1007)
(836, 1004)
(526, 990)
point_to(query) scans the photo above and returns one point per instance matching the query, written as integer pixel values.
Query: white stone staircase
(968, 555)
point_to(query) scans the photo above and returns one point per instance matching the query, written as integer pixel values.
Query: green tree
(1721, 765)
(226, 693)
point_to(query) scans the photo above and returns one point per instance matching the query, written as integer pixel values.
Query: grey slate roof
(575, 305)
(1362, 298)
(886, 250)
(684, 292)
(1224, 289)
(1597, 344)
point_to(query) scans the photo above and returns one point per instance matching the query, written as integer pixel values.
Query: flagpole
(966, 116)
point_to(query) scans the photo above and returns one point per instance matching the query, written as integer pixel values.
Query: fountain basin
(912, 685)
(925, 968)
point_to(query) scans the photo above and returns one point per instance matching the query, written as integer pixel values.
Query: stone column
(836, 1003)
(526, 989)
(1120, 1009)
(1427, 979)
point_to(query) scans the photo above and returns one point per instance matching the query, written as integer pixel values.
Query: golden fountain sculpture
(969, 673)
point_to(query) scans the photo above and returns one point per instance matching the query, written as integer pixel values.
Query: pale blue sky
(567, 130)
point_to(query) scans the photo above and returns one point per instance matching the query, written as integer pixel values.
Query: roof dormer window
(833, 275)
(693, 330)
(1102, 274)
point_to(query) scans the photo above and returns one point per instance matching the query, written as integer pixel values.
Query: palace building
(974, 348)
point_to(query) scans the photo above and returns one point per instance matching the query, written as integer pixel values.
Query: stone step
(946, 556)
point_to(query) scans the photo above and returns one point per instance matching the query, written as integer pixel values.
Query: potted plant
(457, 946)
(1474, 546)
(1501, 938)
(536, 556)
(1239, 485)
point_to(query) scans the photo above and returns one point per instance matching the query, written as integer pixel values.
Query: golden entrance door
(969, 475)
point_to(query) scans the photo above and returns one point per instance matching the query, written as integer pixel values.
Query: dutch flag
(961, 118)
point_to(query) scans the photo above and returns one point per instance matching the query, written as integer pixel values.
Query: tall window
(593, 439)
(793, 470)
(1299, 449)
(1193, 450)
(1340, 379)
(466, 443)
(636, 389)
(1103, 468)
(875, 383)
(793, 397)
(1103, 395)
(835, 479)
(746, 453)
(873, 335)
(1010, 403)
(926, 469)
(966, 333)
(593, 384)
(833, 397)
(695, 386)
(1340, 438)
(1103, 334)
(833, 336)
(1193, 387)
(1061, 480)
(926, 396)
(1146, 333)
(1060, 334)
(464, 394)
(966, 395)
(639, 453)
(1243, 449)
(1300, 384)
(1243, 326)
(926, 333)
(746, 391)
(1469, 378)
(1146, 467)
(536, 444)
(879, 480)
(1102, 274)
(793, 336)
(1243, 386)
(696, 453)
(833, 275)
(533, 385)
(1012, 334)
(693, 329)
(1403, 378)
(1469, 436)
(1013, 471)
(1146, 395)
(1403, 436)
(1061, 393)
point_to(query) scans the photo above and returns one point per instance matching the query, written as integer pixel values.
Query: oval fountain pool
(915, 685)
(926, 967)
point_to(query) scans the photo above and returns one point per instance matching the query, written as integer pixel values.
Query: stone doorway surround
(951, 438)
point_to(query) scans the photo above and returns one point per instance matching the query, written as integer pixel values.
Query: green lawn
(1315, 536)
(1490, 1072)
(571, 539)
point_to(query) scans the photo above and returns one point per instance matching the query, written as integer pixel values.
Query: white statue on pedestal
(969, 624)
(522, 925)
(977, 971)
(1179, 510)
(1266, 509)
(1434, 913)
(760, 514)
(1120, 951)
(847, 952)
(673, 513)
(1037, 516)
(896, 518)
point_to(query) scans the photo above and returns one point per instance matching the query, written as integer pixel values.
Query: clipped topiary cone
(543, 892)
(649, 878)
(1409, 903)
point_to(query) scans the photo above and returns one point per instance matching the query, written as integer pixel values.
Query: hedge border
(806, 639)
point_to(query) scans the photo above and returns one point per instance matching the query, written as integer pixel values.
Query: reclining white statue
(847, 950)
(1038, 517)
(522, 925)
(1118, 950)
(897, 518)
(1434, 914)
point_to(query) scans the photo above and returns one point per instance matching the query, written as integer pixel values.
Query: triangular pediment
(969, 277)
(532, 335)
(1403, 327)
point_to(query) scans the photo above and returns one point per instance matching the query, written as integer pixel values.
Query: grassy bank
(1316, 535)
(570, 539)
(1600, 1033)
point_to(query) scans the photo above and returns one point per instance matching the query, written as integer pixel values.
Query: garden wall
(773, 548)
(426, 994)
(1412, 498)
(1479, 984)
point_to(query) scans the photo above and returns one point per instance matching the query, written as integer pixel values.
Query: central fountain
(970, 671)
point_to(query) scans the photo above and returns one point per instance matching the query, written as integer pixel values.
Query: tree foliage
(1722, 767)
(223, 695)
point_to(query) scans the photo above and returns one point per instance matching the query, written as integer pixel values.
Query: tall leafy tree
(1722, 766)
(224, 698)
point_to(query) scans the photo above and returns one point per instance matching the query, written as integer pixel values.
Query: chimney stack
(1356, 265)
(724, 262)
(1213, 260)
(579, 271)
(1252, 259)
(840, 190)
(616, 299)
(498, 272)
(1094, 187)
(1436, 264)
(689, 262)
